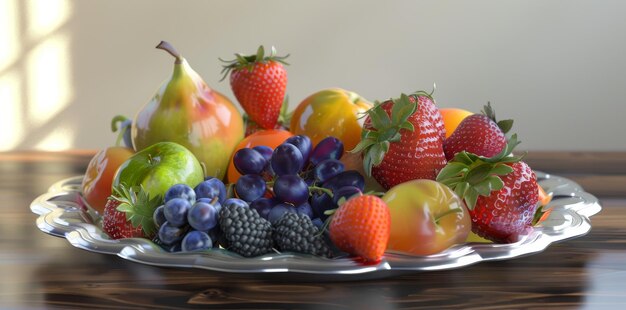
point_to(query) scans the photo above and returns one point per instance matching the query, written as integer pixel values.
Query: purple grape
(286, 159)
(318, 223)
(250, 187)
(346, 178)
(170, 234)
(329, 148)
(180, 191)
(215, 204)
(202, 216)
(158, 216)
(303, 143)
(327, 169)
(175, 211)
(196, 241)
(305, 209)
(249, 161)
(291, 189)
(211, 188)
(235, 201)
(265, 151)
(320, 203)
(278, 210)
(345, 192)
(263, 206)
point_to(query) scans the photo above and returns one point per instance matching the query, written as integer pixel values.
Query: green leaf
(505, 125)
(378, 153)
(380, 119)
(368, 163)
(363, 144)
(387, 134)
(463, 157)
(385, 147)
(451, 182)
(501, 169)
(479, 173)
(495, 183)
(397, 137)
(483, 188)
(451, 169)
(471, 196)
(408, 126)
(402, 109)
(260, 53)
(461, 188)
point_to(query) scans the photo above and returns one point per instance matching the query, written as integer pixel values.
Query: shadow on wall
(35, 74)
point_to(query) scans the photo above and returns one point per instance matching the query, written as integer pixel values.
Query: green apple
(158, 167)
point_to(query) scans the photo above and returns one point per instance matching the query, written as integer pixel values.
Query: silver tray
(63, 213)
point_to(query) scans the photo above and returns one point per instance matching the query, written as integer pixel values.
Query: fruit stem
(171, 50)
(451, 211)
(321, 189)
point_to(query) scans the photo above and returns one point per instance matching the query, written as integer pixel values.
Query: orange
(452, 117)
(271, 138)
(331, 112)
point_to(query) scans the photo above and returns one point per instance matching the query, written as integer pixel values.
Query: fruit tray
(63, 213)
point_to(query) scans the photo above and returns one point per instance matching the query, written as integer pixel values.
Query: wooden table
(41, 271)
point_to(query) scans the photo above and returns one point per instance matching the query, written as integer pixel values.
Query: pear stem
(171, 50)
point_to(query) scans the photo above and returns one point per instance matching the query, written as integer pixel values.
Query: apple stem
(171, 50)
(451, 211)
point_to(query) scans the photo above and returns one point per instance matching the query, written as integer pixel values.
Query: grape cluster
(295, 177)
(188, 219)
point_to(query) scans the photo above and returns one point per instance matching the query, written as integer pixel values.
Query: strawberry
(283, 118)
(259, 83)
(128, 214)
(361, 227)
(500, 192)
(400, 142)
(479, 134)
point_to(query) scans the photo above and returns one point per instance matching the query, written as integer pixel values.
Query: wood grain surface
(41, 271)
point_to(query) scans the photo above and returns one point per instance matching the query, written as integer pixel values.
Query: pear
(187, 111)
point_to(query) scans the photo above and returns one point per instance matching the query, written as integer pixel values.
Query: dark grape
(292, 189)
(320, 203)
(202, 216)
(175, 211)
(215, 204)
(180, 191)
(286, 159)
(303, 143)
(170, 234)
(265, 151)
(329, 148)
(211, 188)
(196, 241)
(345, 192)
(327, 169)
(305, 209)
(235, 201)
(346, 178)
(158, 216)
(250, 187)
(278, 210)
(249, 161)
(263, 206)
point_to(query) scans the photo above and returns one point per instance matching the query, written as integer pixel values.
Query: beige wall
(557, 67)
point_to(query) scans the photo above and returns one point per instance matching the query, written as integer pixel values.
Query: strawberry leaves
(138, 206)
(248, 61)
(470, 175)
(386, 129)
(504, 125)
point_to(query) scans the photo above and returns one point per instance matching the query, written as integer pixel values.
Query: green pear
(187, 111)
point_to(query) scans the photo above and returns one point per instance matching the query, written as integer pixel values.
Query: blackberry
(295, 232)
(245, 231)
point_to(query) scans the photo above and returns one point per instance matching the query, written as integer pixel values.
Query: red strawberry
(128, 214)
(400, 142)
(259, 83)
(500, 192)
(479, 134)
(361, 227)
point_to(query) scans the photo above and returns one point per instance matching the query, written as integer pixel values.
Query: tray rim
(54, 205)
